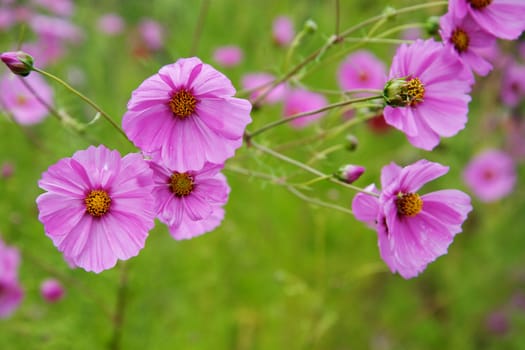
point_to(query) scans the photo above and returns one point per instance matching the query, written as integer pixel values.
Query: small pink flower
(427, 94)
(258, 83)
(11, 293)
(228, 56)
(491, 175)
(6, 170)
(513, 84)
(185, 116)
(501, 18)
(466, 39)
(361, 70)
(98, 207)
(412, 230)
(51, 290)
(152, 33)
(283, 31)
(300, 101)
(59, 7)
(25, 108)
(350, 173)
(110, 24)
(190, 202)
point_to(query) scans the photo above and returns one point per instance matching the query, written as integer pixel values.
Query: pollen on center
(97, 203)
(409, 204)
(181, 184)
(182, 103)
(415, 91)
(460, 40)
(479, 4)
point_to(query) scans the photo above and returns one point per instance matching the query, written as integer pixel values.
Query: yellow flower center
(460, 40)
(479, 4)
(182, 103)
(97, 203)
(181, 184)
(21, 100)
(409, 204)
(414, 91)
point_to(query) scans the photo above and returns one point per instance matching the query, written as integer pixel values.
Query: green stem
(378, 41)
(318, 201)
(309, 169)
(200, 24)
(118, 318)
(269, 126)
(85, 99)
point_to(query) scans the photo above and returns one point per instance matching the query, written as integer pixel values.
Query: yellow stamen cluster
(479, 4)
(409, 204)
(181, 184)
(414, 91)
(460, 40)
(97, 203)
(182, 103)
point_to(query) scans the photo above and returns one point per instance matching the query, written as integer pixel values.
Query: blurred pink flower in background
(45, 51)
(190, 203)
(151, 33)
(7, 170)
(515, 137)
(7, 18)
(52, 290)
(255, 82)
(283, 31)
(513, 84)
(412, 33)
(412, 230)
(465, 37)
(56, 28)
(361, 70)
(97, 207)
(300, 101)
(490, 175)
(110, 24)
(25, 108)
(58, 7)
(497, 323)
(427, 94)
(228, 56)
(11, 293)
(186, 115)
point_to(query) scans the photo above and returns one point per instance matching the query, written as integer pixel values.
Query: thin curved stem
(85, 99)
(318, 201)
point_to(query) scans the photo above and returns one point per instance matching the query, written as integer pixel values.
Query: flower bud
(432, 26)
(19, 62)
(351, 142)
(310, 26)
(51, 290)
(350, 173)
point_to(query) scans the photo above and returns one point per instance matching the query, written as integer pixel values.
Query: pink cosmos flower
(110, 24)
(501, 18)
(228, 56)
(466, 38)
(52, 290)
(7, 18)
(58, 7)
(25, 108)
(56, 28)
(190, 202)
(185, 115)
(361, 70)
(152, 34)
(98, 206)
(427, 94)
(300, 101)
(11, 293)
(412, 230)
(491, 175)
(513, 84)
(283, 31)
(258, 83)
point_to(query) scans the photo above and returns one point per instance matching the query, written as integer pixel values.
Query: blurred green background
(279, 273)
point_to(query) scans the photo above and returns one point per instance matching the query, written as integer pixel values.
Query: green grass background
(279, 273)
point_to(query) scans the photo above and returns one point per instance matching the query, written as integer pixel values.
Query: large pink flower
(427, 94)
(11, 293)
(501, 18)
(185, 116)
(20, 102)
(491, 175)
(412, 230)
(190, 202)
(98, 206)
(468, 40)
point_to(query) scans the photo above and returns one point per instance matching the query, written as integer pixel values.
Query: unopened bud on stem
(19, 62)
